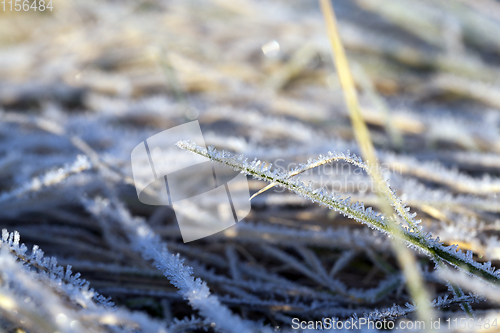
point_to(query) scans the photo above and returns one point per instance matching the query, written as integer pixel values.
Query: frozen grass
(80, 87)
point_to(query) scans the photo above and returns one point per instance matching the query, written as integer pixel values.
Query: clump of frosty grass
(81, 86)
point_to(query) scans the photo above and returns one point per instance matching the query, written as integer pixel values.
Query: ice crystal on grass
(422, 242)
(41, 282)
(145, 242)
(50, 178)
(72, 283)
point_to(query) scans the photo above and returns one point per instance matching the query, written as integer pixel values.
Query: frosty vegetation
(81, 86)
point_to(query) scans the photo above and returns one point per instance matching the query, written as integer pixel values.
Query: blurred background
(99, 77)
